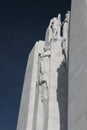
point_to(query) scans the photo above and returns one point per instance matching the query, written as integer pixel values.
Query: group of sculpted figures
(59, 31)
(56, 31)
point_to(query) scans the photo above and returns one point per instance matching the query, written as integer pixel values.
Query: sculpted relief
(54, 29)
(44, 59)
(65, 33)
(59, 31)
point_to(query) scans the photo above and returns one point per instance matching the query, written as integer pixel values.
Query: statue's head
(59, 17)
(67, 15)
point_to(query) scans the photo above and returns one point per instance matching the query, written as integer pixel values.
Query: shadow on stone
(62, 95)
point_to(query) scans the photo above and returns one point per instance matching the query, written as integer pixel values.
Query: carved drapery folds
(65, 35)
(58, 30)
(44, 92)
(44, 59)
(54, 30)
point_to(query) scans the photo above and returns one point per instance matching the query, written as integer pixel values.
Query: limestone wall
(77, 82)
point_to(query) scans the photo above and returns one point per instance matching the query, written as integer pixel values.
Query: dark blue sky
(21, 24)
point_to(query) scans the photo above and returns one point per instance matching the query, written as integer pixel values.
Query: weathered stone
(42, 110)
(77, 82)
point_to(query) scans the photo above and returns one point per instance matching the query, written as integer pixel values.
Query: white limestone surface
(40, 107)
(77, 97)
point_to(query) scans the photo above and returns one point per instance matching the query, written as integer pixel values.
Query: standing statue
(54, 30)
(44, 65)
(65, 33)
(43, 74)
(66, 25)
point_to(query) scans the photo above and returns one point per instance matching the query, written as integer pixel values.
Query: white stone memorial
(54, 95)
(40, 103)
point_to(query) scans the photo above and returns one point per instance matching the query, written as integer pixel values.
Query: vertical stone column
(54, 114)
(43, 82)
(28, 106)
(77, 82)
(25, 99)
(30, 124)
(56, 59)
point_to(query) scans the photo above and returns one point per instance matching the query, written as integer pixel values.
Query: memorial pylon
(39, 108)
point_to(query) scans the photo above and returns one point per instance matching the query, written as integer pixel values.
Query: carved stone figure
(66, 25)
(44, 91)
(65, 32)
(43, 68)
(54, 29)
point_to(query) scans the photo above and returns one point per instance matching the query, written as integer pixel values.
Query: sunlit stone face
(42, 110)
